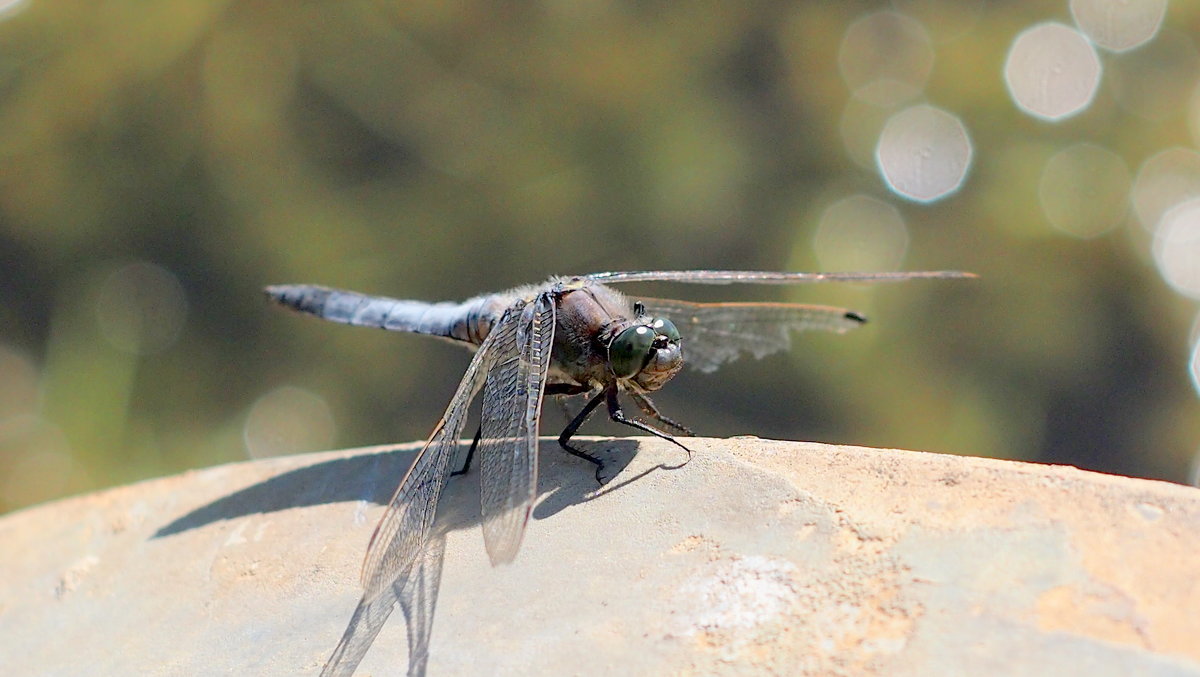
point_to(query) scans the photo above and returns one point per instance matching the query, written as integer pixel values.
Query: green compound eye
(629, 349)
(665, 327)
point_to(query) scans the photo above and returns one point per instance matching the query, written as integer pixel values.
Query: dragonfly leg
(650, 410)
(615, 413)
(470, 453)
(551, 389)
(564, 439)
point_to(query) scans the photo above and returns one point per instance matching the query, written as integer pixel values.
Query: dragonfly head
(647, 353)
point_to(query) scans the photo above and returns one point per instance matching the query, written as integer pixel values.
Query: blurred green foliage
(437, 150)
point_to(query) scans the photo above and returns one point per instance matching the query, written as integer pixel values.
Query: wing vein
(512, 401)
(716, 333)
(400, 537)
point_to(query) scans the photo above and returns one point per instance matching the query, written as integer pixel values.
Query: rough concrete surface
(757, 558)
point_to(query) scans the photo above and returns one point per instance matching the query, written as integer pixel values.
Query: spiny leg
(650, 410)
(470, 453)
(565, 437)
(615, 413)
(609, 395)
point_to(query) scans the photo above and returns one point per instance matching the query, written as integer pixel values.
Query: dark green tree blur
(161, 162)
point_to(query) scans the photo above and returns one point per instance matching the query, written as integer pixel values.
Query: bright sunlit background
(161, 162)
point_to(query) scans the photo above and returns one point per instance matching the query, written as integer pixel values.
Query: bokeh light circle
(1052, 71)
(288, 420)
(1119, 25)
(1084, 190)
(1164, 180)
(924, 153)
(885, 58)
(141, 308)
(860, 233)
(1194, 366)
(1177, 248)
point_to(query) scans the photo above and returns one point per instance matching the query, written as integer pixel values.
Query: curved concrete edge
(757, 557)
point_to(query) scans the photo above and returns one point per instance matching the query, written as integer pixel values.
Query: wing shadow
(580, 485)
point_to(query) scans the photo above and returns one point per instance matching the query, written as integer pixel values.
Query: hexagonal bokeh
(1177, 248)
(924, 153)
(860, 233)
(1084, 190)
(1052, 71)
(1164, 180)
(1119, 25)
(885, 58)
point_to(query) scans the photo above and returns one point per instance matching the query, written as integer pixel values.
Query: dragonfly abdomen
(461, 321)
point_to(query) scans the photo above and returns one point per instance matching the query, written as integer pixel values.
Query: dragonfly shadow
(356, 478)
(372, 477)
(561, 483)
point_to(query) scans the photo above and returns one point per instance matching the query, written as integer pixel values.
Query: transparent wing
(766, 277)
(512, 402)
(715, 333)
(416, 591)
(401, 535)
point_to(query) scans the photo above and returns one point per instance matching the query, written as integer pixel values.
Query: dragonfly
(564, 337)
